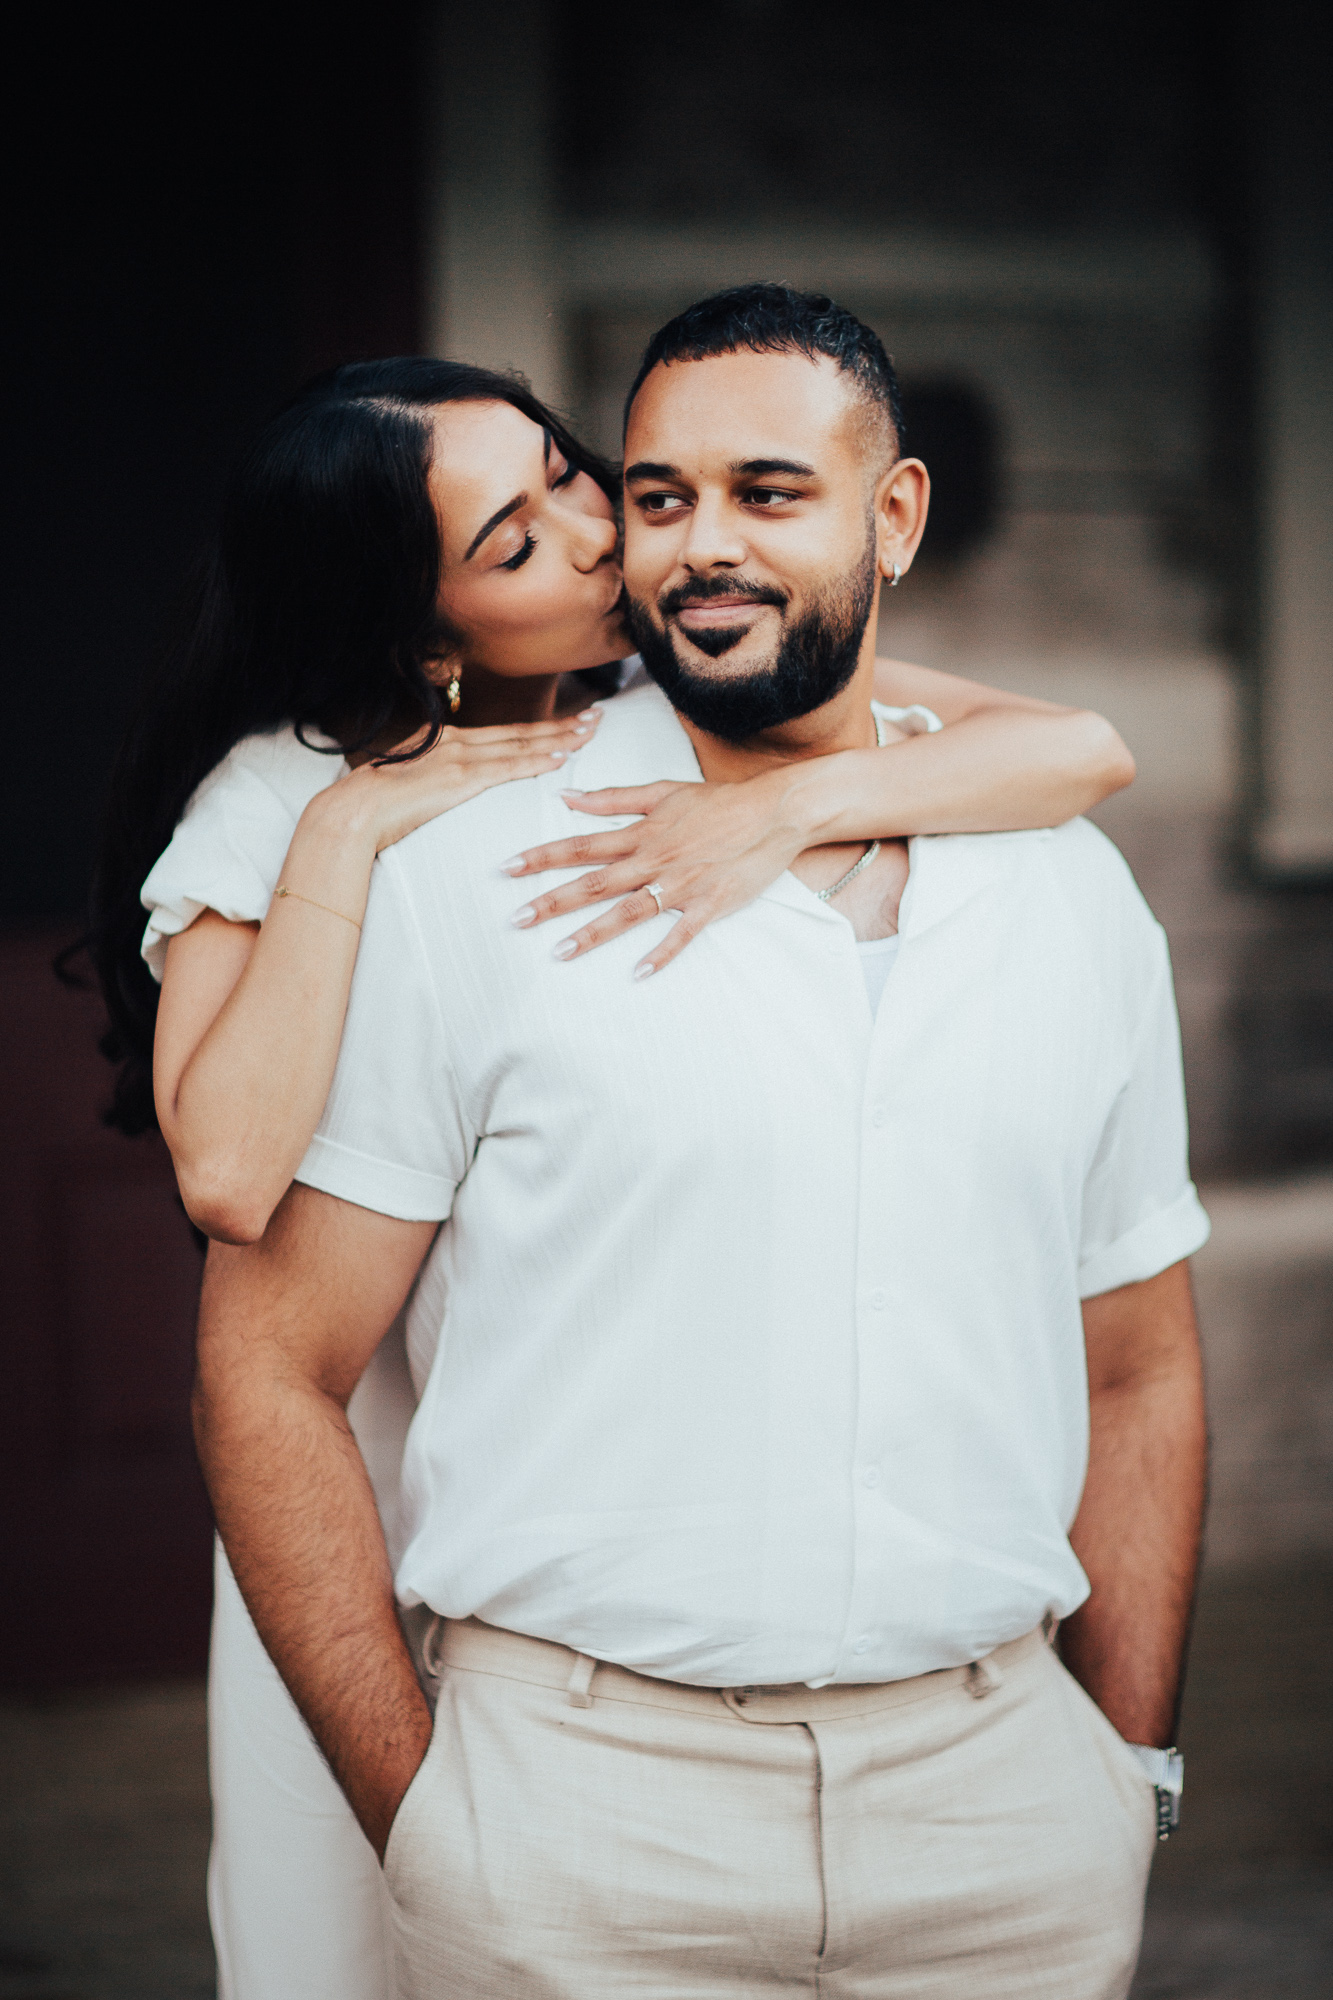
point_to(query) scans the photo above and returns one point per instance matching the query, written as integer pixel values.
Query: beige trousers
(976, 1834)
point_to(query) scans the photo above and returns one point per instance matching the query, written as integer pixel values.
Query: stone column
(492, 242)
(1293, 291)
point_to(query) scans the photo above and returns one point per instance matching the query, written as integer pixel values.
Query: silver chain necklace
(844, 881)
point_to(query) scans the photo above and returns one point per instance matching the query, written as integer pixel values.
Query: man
(758, 1391)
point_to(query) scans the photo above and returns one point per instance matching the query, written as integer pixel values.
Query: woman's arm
(1002, 762)
(251, 1014)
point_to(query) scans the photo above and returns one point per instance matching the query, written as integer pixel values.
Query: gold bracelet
(283, 890)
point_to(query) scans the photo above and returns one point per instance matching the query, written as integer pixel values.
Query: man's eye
(769, 496)
(660, 503)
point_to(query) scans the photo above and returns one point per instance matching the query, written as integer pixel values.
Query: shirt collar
(945, 870)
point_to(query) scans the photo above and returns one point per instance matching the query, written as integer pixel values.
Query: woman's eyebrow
(500, 514)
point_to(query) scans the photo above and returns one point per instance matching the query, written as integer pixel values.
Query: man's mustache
(700, 589)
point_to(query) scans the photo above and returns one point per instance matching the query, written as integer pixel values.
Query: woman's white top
(228, 849)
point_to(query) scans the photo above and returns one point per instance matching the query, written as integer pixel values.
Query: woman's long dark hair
(315, 606)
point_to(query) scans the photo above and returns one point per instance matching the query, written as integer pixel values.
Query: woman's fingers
(581, 850)
(463, 744)
(682, 932)
(622, 798)
(581, 725)
(628, 912)
(598, 885)
(412, 794)
(485, 772)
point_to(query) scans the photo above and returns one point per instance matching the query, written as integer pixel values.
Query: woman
(366, 595)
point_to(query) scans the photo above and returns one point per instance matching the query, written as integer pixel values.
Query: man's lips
(715, 611)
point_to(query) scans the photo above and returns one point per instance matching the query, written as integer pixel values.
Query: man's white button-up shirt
(750, 1347)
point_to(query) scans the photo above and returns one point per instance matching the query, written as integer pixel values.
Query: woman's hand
(709, 849)
(251, 1014)
(386, 802)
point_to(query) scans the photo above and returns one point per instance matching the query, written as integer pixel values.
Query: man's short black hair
(776, 319)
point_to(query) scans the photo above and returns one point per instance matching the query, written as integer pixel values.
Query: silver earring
(896, 578)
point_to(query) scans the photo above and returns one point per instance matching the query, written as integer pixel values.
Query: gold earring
(453, 693)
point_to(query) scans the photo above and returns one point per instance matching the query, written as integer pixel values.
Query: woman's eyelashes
(562, 474)
(520, 556)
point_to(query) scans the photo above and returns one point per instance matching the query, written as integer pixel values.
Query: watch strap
(1165, 1772)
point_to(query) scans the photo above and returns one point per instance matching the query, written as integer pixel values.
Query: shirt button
(861, 1646)
(878, 1300)
(870, 1477)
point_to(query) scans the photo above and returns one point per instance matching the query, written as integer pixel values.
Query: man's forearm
(1137, 1535)
(298, 1519)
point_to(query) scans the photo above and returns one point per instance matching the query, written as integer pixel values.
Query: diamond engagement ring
(654, 890)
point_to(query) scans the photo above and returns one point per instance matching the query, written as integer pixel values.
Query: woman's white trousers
(295, 1895)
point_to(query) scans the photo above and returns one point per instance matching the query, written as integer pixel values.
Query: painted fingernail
(646, 970)
(569, 797)
(521, 918)
(559, 756)
(565, 949)
(514, 866)
(590, 715)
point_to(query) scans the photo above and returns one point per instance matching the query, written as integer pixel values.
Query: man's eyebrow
(757, 467)
(644, 468)
(500, 514)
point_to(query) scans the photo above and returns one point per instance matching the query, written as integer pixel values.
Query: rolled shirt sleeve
(1141, 1212)
(394, 1136)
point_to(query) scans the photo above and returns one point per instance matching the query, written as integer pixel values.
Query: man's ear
(902, 500)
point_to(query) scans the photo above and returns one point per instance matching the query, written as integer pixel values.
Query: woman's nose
(595, 538)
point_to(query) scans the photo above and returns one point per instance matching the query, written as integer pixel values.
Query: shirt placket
(863, 1635)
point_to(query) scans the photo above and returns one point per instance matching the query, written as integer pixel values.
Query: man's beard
(816, 656)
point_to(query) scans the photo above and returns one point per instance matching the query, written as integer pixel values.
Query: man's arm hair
(1140, 1521)
(286, 1327)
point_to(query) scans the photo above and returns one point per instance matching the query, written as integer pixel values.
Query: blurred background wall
(1096, 242)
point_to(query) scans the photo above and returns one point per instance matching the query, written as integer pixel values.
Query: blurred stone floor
(104, 1822)
(1241, 1901)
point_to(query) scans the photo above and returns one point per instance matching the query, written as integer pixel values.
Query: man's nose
(594, 539)
(714, 540)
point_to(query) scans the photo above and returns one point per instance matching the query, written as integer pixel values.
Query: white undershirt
(877, 959)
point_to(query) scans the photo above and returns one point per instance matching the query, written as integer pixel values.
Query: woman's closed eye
(520, 556)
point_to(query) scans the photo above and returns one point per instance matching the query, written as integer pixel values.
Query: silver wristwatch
(1165, 1772)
